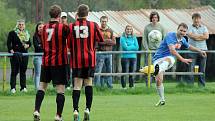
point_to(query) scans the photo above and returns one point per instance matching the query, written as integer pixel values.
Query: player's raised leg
(161, 65)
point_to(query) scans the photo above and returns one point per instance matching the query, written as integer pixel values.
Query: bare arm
(192, 48)
(179, 57)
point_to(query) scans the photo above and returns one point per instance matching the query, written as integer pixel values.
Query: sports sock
(60, 99)
(89, 96)
(160, 90)
(39, 99)
(76, 96)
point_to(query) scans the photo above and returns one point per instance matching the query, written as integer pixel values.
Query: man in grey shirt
(198, 34)
(153, 26)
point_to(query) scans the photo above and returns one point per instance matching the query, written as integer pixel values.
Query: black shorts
(58, 75)
(83, 72)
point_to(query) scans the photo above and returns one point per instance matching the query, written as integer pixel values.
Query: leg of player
(160, 67)
(60, 99)
(39, 99)
(76, 96)
(89, 97)
(160, 88)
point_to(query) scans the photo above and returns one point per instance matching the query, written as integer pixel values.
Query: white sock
(160, 90)
(163, 66)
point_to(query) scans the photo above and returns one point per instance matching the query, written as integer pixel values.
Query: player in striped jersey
(54, 61)
(82, 41)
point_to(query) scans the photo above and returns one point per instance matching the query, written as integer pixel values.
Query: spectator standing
(82, 42)
(128, 42)
(147, 43)
(64, 19)
(104, 61)
(54, 62)
(198, 34)
(37, 61)
(18, 42)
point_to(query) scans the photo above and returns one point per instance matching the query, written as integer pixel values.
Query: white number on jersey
(50, 32)
(83, 34)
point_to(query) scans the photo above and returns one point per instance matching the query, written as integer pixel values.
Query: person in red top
(82, 41)
(54, 61)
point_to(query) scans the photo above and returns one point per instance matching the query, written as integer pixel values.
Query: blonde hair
(127, 27)
(19, 21)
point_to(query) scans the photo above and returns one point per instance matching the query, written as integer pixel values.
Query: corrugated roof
(169, 18)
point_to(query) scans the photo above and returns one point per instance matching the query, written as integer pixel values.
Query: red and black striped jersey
(82, 41)
(54, 35)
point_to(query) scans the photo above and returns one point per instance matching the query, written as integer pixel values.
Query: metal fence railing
(5, 55)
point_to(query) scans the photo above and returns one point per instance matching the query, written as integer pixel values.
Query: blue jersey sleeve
(185, 43)
(170, 39)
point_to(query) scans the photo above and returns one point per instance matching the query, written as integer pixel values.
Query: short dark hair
(196, 15)
(103, 17)
(83, 10)
(153, 13)
(55, 11)
(183, 25)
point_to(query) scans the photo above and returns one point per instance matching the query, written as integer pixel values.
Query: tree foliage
(28, 8)
(208, 2)
(8, 22)
(8, 19)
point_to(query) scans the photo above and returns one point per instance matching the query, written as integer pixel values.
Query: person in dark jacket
(18, 42)
(37, 49)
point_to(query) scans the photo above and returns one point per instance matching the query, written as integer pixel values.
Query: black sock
(39, 99)
(60, 99)
(89, 96)
(76, 96)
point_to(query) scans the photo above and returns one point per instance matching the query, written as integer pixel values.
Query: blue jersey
(170, 39)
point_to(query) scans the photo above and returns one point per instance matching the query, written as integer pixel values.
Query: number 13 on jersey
(81, 31)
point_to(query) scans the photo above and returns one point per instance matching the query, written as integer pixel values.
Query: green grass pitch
(179, 107)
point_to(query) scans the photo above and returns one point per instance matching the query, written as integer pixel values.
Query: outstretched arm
(179, 57)
(192, 48)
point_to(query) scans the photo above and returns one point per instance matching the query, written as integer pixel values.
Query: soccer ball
(155, 36)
